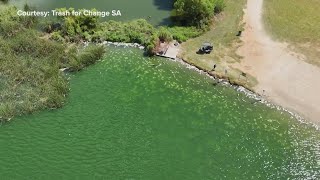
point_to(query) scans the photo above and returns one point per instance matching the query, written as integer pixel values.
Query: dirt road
(286, 79)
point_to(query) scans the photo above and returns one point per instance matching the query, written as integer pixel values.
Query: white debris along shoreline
(250, 94)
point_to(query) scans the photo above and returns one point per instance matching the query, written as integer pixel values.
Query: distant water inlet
(132, 117)
(156, 12)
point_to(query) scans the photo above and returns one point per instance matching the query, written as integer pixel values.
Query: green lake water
(131, 117)
(158, 10)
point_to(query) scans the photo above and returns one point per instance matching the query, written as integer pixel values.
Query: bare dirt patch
(286, 79)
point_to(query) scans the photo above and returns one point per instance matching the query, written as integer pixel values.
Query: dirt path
(286, 79)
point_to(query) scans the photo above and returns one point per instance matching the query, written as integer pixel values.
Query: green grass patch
(182, 34)
(223, 37)
(296, 22)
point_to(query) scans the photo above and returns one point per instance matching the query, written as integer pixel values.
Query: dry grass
(296, 22)
(223, 36)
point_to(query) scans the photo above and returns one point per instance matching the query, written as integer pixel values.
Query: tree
(194, 12)
(197, 12)
(75, 27)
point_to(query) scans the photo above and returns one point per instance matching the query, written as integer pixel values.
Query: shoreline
(239, 88)
(286, 79)
(249, 93)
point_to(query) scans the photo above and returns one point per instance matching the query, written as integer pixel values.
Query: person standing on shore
(214, 67)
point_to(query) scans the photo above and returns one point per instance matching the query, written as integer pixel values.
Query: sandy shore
(284, 78)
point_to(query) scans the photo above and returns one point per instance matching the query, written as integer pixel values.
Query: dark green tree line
(197, 12)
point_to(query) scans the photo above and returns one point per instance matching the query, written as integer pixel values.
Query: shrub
(219, 6)
(192, 12)
(151, 44)
(29, 65)
(98, 36)
(77, 27)
(196, 13)
(9, 22)
(87, 36)
(164, 34)
(136, 31)
(56, 36)
(28, 21)
(182, 34)
(87, 56)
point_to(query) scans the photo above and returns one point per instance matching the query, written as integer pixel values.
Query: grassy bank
(88, 28)
(296, 22)
(29, 66)
(30, 60)
(223, 37)
(191, 19)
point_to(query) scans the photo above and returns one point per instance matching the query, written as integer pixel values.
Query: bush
(77, 27)
(29, 65)
(196, 13)
(9, 22)
(56, 36)
(98, 37)
(91, 54)
(32, 74)
(151, 44)
(27, 43)
(182, 34)
(87, 56)
(136, 31)
(192, 12)
(28, 21)
(164, 34)
(86, 36)
(219, 6)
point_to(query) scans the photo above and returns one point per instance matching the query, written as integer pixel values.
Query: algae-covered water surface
(132, 117)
